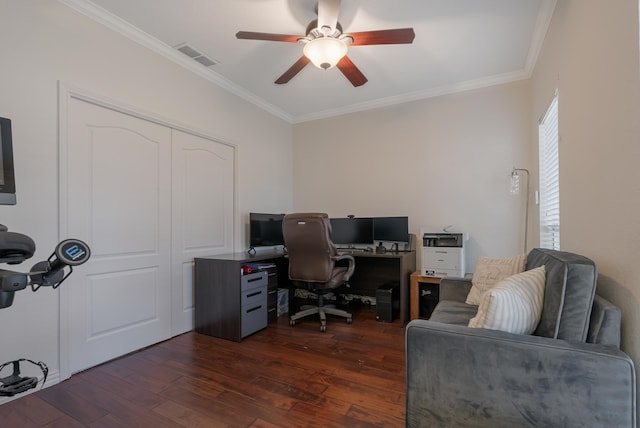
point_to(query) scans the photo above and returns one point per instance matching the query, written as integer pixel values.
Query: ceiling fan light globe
(325, 52)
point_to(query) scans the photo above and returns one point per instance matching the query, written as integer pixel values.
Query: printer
(442, 254)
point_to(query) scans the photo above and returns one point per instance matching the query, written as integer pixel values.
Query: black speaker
(387, 302)
(429, 295)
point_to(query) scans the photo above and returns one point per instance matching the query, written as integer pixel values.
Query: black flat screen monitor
(265, 230)
(352, 231)
(7, 180)
(391, 229)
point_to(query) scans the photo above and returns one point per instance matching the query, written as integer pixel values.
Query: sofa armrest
(456, 289)
(463, 377)
(604, 325)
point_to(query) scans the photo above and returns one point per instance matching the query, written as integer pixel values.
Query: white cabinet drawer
(442, 261)
(441, 258)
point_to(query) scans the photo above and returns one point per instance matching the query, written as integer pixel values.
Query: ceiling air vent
(193, 53)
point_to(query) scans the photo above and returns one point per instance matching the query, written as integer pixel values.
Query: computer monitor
(265, 230)
(391, 229)
(352, 231)
(7, 180)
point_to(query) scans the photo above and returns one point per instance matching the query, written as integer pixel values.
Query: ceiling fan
(325, 45)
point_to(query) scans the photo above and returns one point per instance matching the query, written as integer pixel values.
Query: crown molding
(543, 22)
(417, 96)
(102, 16)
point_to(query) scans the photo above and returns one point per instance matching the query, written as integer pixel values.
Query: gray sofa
(569, 373)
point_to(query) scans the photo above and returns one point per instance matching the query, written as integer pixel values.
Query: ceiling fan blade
(383, 37)
(328, 11)
(351, 72)
(250, 35)
(293, 70)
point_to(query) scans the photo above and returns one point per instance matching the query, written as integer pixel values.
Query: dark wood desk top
(246, 257)
(273, 254)
(387, 255)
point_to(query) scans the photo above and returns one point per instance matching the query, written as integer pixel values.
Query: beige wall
(45, 42)
(441, 161)
(591, 55)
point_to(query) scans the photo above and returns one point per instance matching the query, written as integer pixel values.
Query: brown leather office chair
(312, 262)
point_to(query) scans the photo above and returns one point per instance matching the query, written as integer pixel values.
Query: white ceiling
(459, 45)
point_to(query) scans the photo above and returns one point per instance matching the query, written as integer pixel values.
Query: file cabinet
(228, 304)
(253, 314)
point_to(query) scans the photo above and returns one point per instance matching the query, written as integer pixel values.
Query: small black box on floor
(387, 302)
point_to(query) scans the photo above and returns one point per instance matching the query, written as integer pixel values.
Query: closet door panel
(203, 213)
(116, 193)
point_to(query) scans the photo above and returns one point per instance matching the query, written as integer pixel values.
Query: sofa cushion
(604, 325)
(453, 312)
(489, 272)
(568, 297)
(514, 305)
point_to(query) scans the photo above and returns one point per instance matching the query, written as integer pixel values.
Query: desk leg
(404, 297)
(415, 308)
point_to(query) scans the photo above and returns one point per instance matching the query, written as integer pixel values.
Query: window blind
(549, 178)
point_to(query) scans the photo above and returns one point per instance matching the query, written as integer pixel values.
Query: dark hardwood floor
(350, 376)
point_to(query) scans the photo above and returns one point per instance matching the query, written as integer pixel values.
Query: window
(549, 178)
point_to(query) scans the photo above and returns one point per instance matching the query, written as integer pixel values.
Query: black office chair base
(322, 311)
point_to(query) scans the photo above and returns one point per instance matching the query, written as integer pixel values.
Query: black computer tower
(387, 302)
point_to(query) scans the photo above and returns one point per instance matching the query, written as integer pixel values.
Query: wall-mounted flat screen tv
(265, 230)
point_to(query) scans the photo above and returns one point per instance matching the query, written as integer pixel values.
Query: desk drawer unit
(253, 296)
(253, 303)
(254, 316)
(253, 280)
(272, 295)
(272, 305)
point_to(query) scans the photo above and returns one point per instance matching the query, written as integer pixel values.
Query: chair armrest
(455, 289)
(460, 376)
(351, 264)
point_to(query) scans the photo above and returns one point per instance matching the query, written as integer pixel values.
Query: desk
(376, 269)
(218, 285)
(218, 294)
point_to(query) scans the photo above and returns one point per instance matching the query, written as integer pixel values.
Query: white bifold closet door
(147, 199)
(203, 210)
